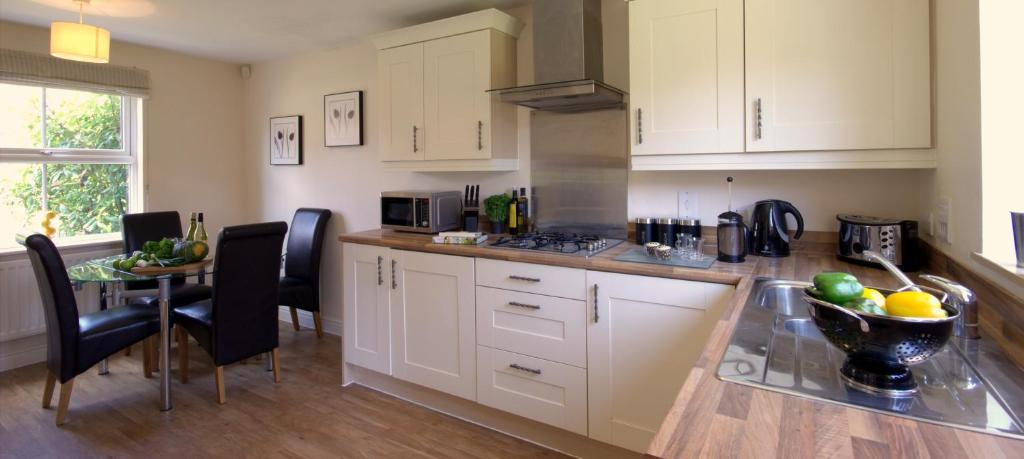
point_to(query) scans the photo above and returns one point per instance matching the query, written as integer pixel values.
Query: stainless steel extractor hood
(567, 60)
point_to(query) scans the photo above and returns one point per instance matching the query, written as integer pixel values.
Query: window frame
(129, 154)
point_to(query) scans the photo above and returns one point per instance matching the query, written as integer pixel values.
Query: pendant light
(79, 42)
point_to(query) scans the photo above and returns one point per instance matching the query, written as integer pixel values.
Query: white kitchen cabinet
(400, 74)
(837, 75)
(686, 76)
(458, 111)
(436, 113)
(644, 336)
(543, 326)
(538, 389)
(366, 288)
(433, 321)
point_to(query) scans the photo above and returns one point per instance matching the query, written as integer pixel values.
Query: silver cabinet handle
(758, 119)
(516, 366)
(394, 281)
(415, 148)
(380, 273)
(524, 279)
(596, 317)
(479, 135)
(639, 126)
(523, 305)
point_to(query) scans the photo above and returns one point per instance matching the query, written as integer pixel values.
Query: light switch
(688, 204)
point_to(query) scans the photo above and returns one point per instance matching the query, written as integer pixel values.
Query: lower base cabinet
(599, 354)
(644, 336)
(542, 390)
(433, 321)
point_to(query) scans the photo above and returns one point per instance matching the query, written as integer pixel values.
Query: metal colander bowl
(880, 347)
(904, 340)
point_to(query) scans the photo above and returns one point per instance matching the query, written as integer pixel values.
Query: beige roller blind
(39, 69)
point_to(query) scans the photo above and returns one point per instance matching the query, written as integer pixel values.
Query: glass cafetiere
(733, 235)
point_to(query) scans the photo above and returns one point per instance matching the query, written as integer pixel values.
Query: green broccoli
(166, 249)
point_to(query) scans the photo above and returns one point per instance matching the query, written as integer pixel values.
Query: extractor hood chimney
(568, 63)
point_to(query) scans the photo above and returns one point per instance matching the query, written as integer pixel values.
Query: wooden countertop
(714, 418)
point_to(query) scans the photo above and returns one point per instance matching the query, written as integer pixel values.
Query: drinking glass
(697, 248)
(682, 244)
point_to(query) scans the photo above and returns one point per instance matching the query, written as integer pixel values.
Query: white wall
(193, 133)
(347, 180)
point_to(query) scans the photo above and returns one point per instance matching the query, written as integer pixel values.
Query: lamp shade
(79, 42)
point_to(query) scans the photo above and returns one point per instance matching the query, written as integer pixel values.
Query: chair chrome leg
(269, 362)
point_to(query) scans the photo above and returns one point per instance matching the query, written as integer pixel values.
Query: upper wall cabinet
(780, 84)
(686, 76)
(435, 112)
(837, 75)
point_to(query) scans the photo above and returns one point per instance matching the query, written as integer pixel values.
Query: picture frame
(286, 140)
(343, 119)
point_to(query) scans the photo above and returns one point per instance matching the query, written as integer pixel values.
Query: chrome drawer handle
(516, 366)
(596, 317)
(394, 279)
(523, 278)
(380, 274)
(523, 305)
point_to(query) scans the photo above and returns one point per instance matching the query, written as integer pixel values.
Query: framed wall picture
(286, 140)
(343, 119)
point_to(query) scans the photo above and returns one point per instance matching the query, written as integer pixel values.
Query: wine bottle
(200, 229)
(513, 218)
(523, 211)
(191, 234)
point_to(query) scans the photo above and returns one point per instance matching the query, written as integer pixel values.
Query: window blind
(24, 67)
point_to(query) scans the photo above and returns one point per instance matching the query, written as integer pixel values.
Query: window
(70, 152)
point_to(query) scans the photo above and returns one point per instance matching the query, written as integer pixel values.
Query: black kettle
(770, 236)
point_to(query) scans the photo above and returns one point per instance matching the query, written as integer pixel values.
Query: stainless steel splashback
(579, 168)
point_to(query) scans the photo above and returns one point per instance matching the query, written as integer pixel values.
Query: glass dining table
(100, 271)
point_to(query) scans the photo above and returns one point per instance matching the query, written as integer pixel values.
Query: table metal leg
(269, 364)
(113, 298)
(165, 343)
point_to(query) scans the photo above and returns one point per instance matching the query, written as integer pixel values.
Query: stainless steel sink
(776, 346)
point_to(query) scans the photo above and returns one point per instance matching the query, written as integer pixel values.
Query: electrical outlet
(688, 204)
(941, 219)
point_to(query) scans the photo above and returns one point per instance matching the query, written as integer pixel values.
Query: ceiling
(243, 30)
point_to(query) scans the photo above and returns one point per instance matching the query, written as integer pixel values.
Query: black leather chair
(138, 228)
(300, 286)
(240, 321)
(75, 343)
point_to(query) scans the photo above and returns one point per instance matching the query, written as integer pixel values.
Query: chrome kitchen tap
(966, 326)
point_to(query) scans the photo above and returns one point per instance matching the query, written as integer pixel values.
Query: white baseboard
(17, 358)
(331, 326)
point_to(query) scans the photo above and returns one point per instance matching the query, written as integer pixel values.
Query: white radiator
(21, 310)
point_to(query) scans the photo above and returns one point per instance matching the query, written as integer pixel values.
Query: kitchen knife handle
(639, 126)
(596, 317)
(380, 270)
(415, 148)
(516, 366)
(394, 280)
(479, 135)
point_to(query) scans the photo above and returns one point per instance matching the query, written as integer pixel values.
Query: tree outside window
(88, 197)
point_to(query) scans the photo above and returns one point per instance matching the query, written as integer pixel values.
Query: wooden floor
(307, 415)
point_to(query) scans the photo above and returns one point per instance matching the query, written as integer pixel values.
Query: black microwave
(420, 211)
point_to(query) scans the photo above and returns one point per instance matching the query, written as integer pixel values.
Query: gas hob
(581, 245)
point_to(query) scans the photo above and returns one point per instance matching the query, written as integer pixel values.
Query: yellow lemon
(876, 296)
(914, 304)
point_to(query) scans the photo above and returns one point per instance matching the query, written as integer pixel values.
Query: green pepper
(837, 288)
(864, 305)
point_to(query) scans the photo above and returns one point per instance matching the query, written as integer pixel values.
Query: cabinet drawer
(528, 277)
(545, 391)
(548, 327)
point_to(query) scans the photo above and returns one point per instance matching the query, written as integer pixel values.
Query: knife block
(471, 219)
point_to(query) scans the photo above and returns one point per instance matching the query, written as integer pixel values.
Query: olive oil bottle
(513, 214)
(200, 228)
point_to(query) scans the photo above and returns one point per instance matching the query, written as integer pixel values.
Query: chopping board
(158, 270)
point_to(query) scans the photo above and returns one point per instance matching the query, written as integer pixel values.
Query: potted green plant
(496, 207)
